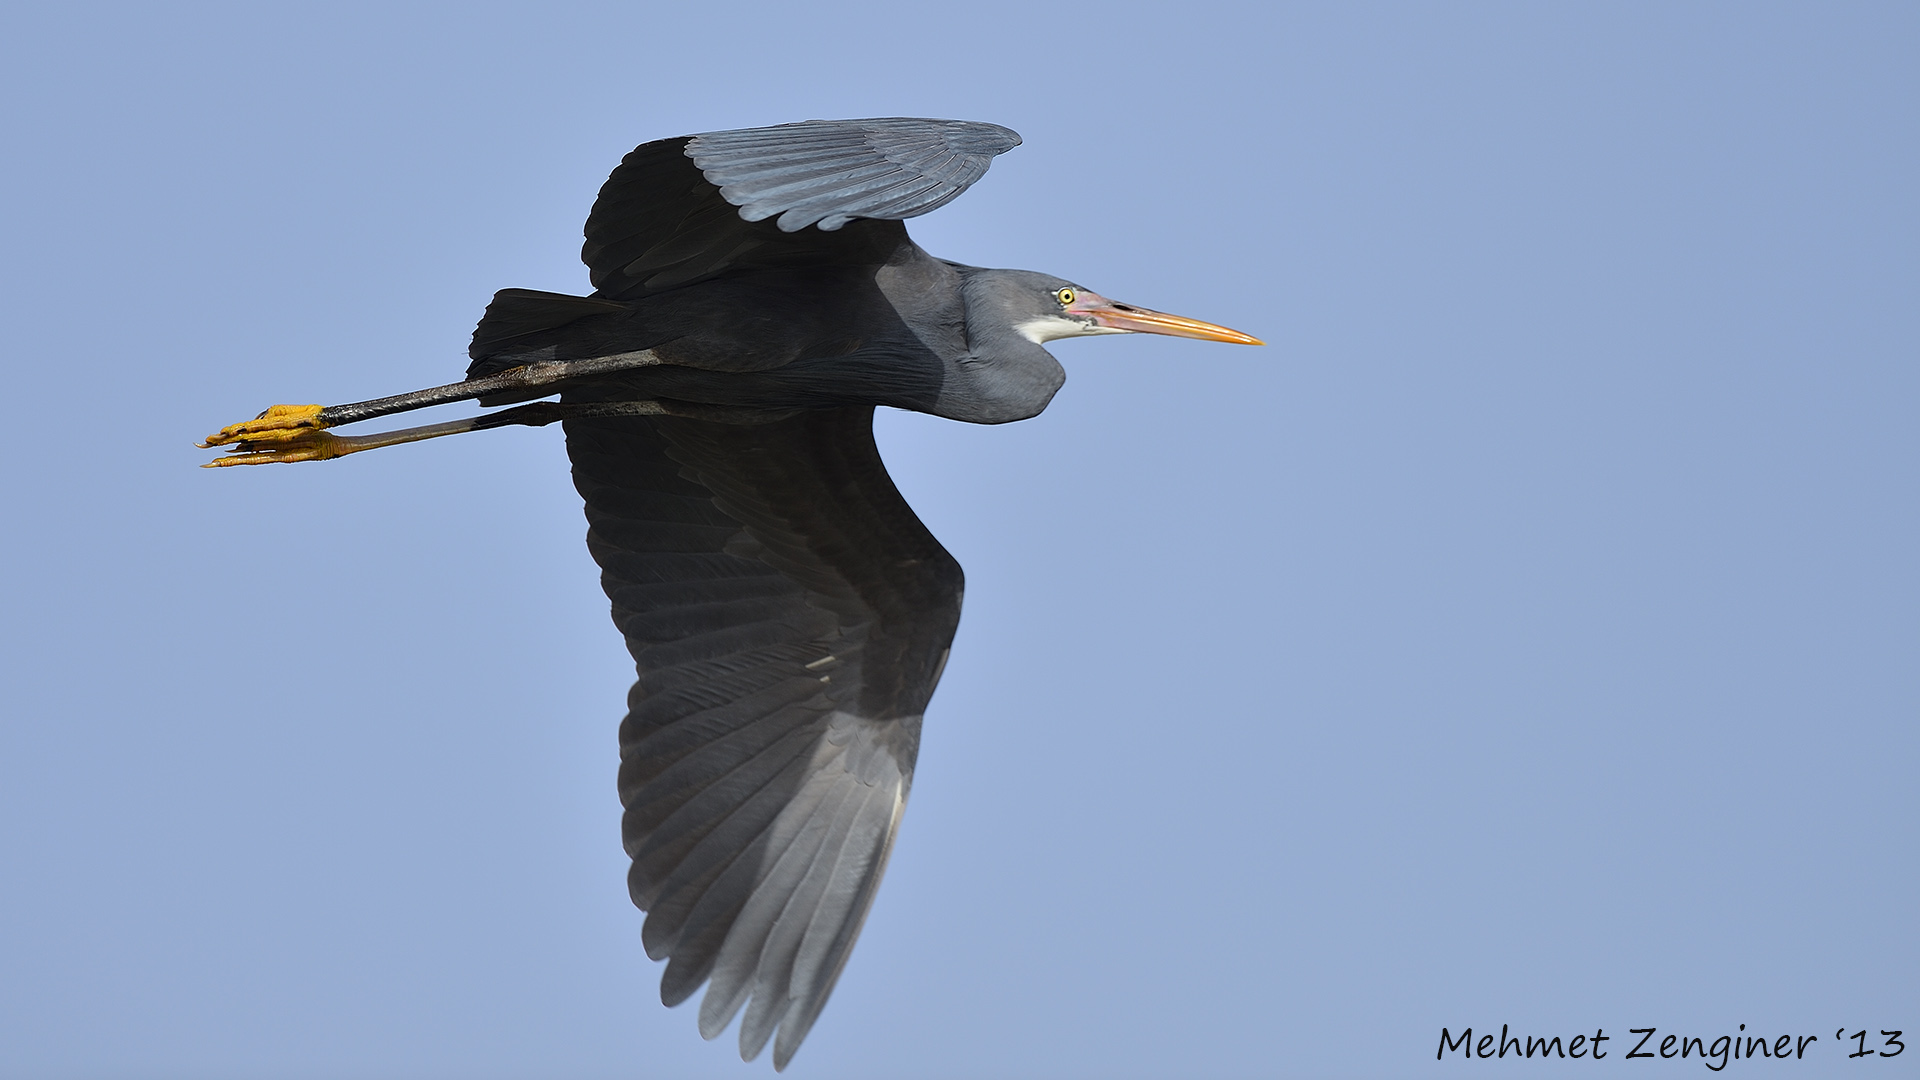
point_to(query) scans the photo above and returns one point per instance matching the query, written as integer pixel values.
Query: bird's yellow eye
(1065, 296)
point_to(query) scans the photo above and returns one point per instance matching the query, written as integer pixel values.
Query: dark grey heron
(755, 297)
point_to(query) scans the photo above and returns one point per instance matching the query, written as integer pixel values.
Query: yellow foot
(281, 423)
(284, 446)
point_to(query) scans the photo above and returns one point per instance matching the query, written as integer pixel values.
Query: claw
(279, 424)
(283, 447)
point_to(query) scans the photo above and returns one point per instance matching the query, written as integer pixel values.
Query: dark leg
(285, 423)
(312, 444)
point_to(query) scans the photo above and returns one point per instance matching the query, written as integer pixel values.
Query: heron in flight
(755, 298)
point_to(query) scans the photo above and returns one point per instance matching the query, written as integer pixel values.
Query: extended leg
(312, 444)
(298, 423)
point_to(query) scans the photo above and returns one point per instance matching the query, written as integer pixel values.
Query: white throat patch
(1054, 327)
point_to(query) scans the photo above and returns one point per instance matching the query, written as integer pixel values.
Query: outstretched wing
(681, 210)
(789, 616)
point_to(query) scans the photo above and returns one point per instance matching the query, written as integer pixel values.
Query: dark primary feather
(788, 616)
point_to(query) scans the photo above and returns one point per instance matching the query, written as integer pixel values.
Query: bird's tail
(518, 319)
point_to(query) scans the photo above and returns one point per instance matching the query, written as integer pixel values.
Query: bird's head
(1043, 309)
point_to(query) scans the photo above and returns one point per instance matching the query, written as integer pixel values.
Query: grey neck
(1003, 376)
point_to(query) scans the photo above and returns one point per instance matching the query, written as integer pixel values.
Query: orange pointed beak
(1126, 317)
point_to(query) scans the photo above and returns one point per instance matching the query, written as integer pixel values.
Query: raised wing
(681, 210)
(789, 616)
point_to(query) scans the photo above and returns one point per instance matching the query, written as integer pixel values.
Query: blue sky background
(1528, 635)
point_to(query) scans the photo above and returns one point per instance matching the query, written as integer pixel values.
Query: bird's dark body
(867, 318)
(756, 298)
(816, 338)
